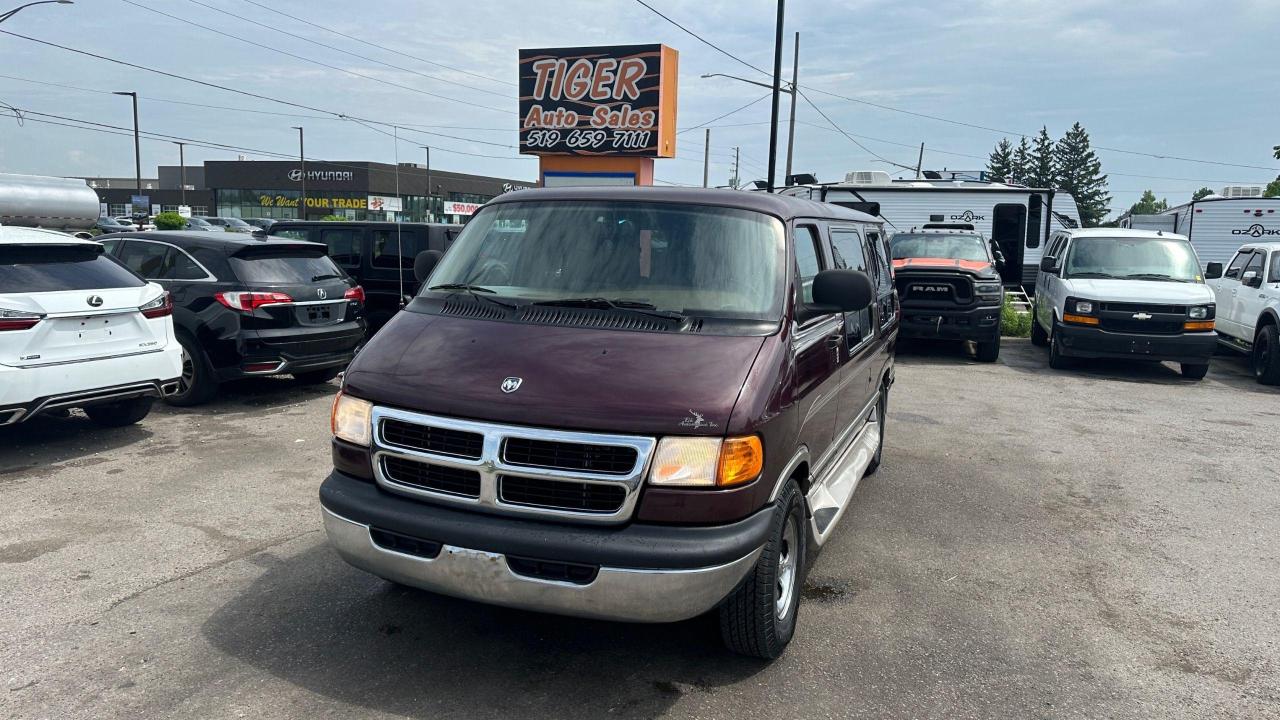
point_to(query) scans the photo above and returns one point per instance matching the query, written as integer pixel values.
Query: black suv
(248, 306)
(948, 282)
(379, 255)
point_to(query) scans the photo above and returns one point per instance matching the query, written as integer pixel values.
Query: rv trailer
(1018, 218)
(1217, 226)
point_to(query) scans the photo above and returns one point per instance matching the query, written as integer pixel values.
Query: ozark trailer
(1018, 218)
(1217, 226)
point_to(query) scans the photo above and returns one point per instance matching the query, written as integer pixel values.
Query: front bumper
(979, 323)
(28, 391)
(633, 573)
(1092, 342)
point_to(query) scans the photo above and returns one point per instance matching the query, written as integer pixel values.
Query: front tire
(1039, 337)
(1266, 356)
(1195, 371)
(988, 352)
(1057, 360)
(759, 616)
(120, 413)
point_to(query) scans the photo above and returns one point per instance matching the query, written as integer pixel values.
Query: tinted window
(394, 248)
(150, 260)
(32, 269)
(1237, 264)
(184, 268)
(808, 260)
(284, 268)
(848, 253)
(344, 246)
(1275, 268)
(290, 234)
(883, 278)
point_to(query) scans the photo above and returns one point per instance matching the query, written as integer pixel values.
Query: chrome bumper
(624, 594)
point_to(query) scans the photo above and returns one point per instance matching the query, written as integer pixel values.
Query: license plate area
(325, 314)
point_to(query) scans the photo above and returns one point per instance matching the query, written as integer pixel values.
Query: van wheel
(1057, 360)
(988, 351)
(316, 377)
(119, 414)
(882, 408)
(196, 385)
(759, 616)
(1266, 356)
(1195, 371)
(1039, 337)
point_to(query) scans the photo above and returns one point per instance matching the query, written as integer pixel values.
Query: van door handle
(833, 342)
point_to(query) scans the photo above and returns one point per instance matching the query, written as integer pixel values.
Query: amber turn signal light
(1079, 319)
(741, 460)
(1198, 325)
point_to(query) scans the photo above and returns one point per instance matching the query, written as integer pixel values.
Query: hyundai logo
(511, 384)
(94, 301)
(295, 175)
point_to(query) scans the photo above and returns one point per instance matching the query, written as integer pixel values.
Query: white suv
(1248, 295)
(1112, 293)
(78, 329)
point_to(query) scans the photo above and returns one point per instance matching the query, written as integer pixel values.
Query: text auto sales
(587, 81)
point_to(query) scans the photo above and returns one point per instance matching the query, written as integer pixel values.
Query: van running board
(828, 500)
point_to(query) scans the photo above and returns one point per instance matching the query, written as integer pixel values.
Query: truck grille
(587, 477)
(1147, 327)
(935, 290)
(1144, 308)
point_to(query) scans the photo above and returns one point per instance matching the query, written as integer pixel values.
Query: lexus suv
(949, 285)
(637, 404)
(1113, 293)
(78, 330)
(247, 306)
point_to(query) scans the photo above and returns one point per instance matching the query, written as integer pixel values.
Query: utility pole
(791, 126)
(920, 161)
(137, 149)
(302, 158)
(777, 87)
(706, 158)
(736, 177)
(430, 204)
(182, 171)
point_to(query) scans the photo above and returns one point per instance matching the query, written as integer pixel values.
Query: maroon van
(636, 404)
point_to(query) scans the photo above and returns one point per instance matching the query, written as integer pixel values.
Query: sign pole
(777, 82)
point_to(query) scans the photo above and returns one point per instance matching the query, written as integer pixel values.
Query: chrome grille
(509, 469)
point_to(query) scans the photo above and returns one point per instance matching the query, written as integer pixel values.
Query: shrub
(169, 221)
(1012, 322)
(334, 218)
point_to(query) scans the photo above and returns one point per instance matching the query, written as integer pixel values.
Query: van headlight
(1201, 312)
(1080, 307)
(706, 462)
(352, 419)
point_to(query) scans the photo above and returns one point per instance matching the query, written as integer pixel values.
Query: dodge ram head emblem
(94, 300)
(511, 384)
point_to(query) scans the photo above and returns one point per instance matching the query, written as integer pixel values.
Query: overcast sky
(1196, 80)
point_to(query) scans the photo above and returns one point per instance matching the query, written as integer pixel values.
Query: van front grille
(432, 439)
(436, 478)
(561, 495)
(611, 459)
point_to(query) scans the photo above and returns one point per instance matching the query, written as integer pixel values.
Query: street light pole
(182, 171)
(137, 145)
(791, 126)
(302, 158)
(777, 83)
(11, 13)
(430, 203)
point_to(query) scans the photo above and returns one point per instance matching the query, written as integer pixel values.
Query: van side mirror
(1213, 271)
(1049, 264)
(1251, 278)
(424, 263)
(841, 291)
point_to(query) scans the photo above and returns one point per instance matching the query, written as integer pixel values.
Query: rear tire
(1057, 360)
(882, 408)
(197, 384)
(316, 377)
(1039, 337)
(1266, 355)
(759, 616)
(120, 413)
(988, 351)
(1195, 371)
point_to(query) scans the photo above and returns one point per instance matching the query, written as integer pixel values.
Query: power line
(851, 139)
(313, 61)
(703, 40)
(376, 45)
(718, 117)
(345, 52)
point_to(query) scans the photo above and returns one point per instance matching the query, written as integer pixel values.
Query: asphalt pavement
(1103, 542)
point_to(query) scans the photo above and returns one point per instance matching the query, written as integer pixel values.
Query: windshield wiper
(475, 291)
(1154, 276)
(633, 306)
(326, 276)
(1100, 275)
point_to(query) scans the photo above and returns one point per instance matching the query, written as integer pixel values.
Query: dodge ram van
(636, 404)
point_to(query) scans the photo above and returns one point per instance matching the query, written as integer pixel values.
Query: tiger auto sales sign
(617, 100)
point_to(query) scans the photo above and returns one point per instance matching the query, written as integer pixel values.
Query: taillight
(18, 319)
(356, 293)
(158, 308)
(250, 301)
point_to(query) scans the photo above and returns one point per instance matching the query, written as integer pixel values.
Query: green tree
(1273, 189)
(1000, 164)
(1148, 205)
(1277, 149)
(334, 218)
(1080, 173)
(1040, 173)
(1022, 162)
(169, 221)
(1202, 192)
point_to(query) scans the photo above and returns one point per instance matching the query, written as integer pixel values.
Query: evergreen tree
(1041, 174)
(1000, 164)
(1273, 189)
(1080, 173)
(1022, 162)
(1202, 192)
(1148, 205)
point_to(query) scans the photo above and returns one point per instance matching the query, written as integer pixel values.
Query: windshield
(285, 268)
(689, 259)
(938, 245)
(1131, 258)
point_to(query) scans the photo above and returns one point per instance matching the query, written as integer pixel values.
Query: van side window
(883, 278)
(387, 250)
(849, 253)
(808, 259)
(1237, 264)
(345, 246)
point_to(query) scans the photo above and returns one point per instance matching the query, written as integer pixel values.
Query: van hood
(1143, 291)
(570, 378)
